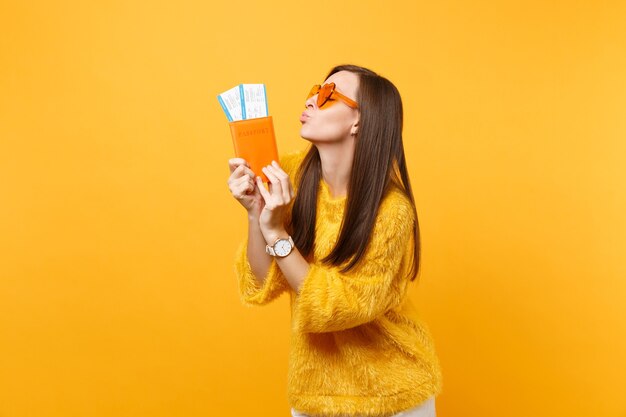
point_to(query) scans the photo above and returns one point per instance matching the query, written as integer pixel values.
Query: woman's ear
(355, 128)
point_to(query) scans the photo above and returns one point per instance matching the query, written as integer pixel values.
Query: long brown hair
(379, 151)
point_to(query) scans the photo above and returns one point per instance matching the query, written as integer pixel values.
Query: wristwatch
(281, 248)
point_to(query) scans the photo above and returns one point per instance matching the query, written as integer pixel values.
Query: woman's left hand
(276, 200)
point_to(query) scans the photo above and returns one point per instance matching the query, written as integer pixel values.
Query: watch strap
(270, 249)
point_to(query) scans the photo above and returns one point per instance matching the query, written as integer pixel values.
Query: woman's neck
(336, 159)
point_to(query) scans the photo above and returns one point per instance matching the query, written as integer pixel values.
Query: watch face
(282, 247)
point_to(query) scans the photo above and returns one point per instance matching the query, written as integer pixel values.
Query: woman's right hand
(243, 187)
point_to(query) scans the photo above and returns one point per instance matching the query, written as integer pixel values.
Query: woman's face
(334, 122)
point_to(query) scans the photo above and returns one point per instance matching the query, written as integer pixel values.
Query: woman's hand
(242, 186)
(276, 201)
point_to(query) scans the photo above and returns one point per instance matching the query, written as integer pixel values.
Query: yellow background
(117, 229)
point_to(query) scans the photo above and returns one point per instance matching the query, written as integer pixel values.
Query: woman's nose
(310, 102)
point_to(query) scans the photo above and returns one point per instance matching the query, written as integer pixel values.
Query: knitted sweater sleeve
(253, 293)
(329, 300)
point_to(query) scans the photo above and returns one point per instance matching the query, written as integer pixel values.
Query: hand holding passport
(251, 128)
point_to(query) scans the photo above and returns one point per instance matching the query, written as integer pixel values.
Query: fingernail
(274, 162)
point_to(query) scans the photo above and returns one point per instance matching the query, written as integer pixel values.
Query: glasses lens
(324, 94)
(313, 91)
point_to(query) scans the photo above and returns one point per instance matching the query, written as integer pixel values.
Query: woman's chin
(303, 133)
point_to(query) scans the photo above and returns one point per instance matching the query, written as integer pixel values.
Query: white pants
(425, 409)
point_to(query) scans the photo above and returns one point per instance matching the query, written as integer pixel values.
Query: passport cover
(255, 142)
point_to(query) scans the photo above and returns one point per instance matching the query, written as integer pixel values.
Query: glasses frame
(328, 91)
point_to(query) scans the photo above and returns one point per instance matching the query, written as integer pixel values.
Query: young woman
(338, 230)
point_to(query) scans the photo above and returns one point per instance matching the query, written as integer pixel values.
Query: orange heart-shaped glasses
(327, 93)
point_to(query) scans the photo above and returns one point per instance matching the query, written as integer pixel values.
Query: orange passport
(255, 142)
